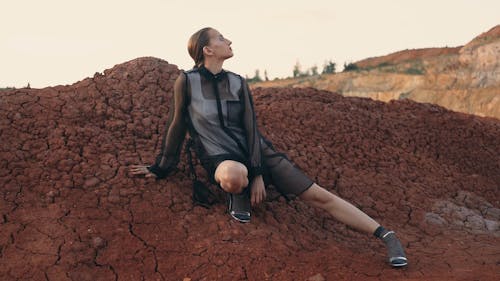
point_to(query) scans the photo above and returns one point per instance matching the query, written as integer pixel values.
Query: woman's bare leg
(355, 218)
(340, 209)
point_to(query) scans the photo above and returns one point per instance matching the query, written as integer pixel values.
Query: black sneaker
(397, 257)
(239, 206)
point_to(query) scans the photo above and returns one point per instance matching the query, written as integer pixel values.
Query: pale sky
(59, 42)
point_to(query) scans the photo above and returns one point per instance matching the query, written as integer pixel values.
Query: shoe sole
(240, 219)
(245, 217)
(393, 259)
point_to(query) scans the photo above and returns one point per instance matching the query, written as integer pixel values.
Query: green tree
(255, 78)
(314, 70)
(350, 67)
(296, 70)
(328, 67)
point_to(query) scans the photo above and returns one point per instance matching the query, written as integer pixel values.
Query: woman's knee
(318, 197)
(232, 176)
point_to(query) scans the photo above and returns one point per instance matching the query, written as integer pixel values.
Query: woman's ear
(207, 51)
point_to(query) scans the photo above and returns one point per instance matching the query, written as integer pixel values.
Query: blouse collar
(217, 77)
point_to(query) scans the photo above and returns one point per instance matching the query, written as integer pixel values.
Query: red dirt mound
(70, 211)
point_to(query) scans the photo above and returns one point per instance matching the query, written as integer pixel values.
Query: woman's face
(218, 46)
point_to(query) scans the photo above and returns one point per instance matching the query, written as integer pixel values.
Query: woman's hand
(141, 170)
(258, 190)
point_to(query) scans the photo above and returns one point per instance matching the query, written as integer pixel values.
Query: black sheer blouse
(203, 104)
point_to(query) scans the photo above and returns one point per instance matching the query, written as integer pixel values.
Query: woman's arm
(174, 134)
(253, 137)
(257, 188)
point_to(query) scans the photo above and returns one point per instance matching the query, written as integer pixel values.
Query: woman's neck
(213, 66)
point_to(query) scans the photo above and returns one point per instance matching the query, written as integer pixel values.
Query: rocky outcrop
(465, 79)
(407, 55)
(482, 56)
(70, 211)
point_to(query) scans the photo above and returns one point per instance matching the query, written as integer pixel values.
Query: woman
(216, 107)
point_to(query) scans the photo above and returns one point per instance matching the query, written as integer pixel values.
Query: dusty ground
(70, 211)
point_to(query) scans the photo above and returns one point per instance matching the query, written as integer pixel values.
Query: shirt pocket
(234, 113)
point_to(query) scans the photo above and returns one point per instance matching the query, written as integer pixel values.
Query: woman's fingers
(138, 167)
(257, 197)
(262, 195)
(253, 198)
(258, 191)
(140, 170)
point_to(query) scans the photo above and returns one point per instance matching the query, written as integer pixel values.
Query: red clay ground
(70, 211)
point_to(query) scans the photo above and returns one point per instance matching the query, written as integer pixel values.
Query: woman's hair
(196, 43)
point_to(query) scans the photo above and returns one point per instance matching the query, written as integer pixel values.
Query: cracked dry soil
(70, 211)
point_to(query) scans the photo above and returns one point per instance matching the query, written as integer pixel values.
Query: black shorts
(278, 170)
